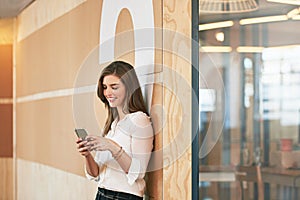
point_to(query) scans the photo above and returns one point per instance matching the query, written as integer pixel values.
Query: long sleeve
(141, 146)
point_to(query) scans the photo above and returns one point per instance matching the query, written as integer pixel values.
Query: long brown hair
(133, 99)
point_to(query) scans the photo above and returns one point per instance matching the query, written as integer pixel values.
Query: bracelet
(118, 154)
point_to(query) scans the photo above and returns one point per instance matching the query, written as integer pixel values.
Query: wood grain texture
(177, 100)
(6, 178)
(154, 178)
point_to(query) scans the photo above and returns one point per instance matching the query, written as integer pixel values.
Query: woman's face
(114, 91)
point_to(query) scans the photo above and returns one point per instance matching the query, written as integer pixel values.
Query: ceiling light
(285, 47)
(296, 17)
(293, 12)
(248, 64)
(293, 2)
(215, 25)
(249, 49)
(215, 49)
(258, 20)
(220, 36)
(227, 6)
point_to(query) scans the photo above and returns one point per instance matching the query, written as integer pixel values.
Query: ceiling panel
(11, 8)
(264, 9)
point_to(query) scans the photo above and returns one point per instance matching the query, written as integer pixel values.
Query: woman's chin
(112, 105)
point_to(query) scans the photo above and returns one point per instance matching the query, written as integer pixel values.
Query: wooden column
(177, 79)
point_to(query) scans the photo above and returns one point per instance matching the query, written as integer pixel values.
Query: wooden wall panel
(6, 71)
(6, 178)
(6, 109)
(6, 102)
(6, 141)
(6, 31)
(38, 181)
(154, 178)
(49, 58)
(124, 50)
(47, 11)
(47, 62)
(177, 159)
(46, 135)
(124, 41)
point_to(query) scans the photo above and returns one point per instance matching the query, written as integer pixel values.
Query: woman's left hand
(97, 143)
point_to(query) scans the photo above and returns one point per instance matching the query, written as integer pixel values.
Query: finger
(91, 137)
(95, 144)
(85, 153)
(89, 146)
(79, 140)
(97, 147)
(81, 144)
(84, 149)
(91, 143)
(94, 141)
(81, 147)
(92, 146)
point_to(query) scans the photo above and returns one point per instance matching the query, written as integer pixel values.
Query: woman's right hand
(82, 148)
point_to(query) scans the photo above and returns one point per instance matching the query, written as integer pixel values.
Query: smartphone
(81, 133)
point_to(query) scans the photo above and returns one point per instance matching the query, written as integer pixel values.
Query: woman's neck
(121, 114)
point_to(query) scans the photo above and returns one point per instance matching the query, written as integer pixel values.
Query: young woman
(124, 149)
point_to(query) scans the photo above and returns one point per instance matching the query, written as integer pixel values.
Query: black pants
(104, 194)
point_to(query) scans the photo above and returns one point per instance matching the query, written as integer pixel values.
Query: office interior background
(231, 68)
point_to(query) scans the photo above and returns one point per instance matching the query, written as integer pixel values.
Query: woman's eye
(104, 87)
(114, 88)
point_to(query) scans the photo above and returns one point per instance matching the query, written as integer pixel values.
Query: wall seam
(6, 101)
(70, 91)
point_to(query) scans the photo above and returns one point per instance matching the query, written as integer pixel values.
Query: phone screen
(81, 133)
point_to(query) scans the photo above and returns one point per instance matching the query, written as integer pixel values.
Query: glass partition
(250, 101)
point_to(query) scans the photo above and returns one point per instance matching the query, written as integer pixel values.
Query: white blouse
(135, 134)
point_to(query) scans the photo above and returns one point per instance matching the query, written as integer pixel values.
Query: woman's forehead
(111, 79)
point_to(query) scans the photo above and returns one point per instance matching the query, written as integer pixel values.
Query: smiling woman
(124, 149)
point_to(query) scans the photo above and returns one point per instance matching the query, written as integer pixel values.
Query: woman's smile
(111, 99)
(114, 91)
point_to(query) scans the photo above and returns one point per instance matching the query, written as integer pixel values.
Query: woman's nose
(107, 92)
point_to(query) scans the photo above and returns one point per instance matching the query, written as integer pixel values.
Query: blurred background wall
(6, 109)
